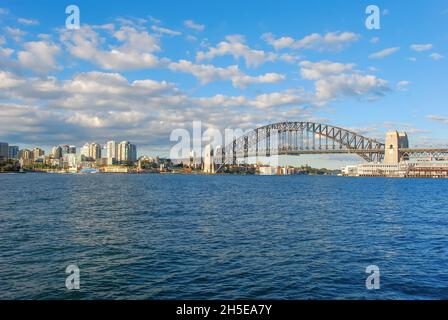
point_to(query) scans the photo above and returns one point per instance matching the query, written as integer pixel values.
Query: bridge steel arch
(301, 137)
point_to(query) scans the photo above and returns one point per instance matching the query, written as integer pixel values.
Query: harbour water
(222, 236)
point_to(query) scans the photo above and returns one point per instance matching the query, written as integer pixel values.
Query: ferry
(89, 170)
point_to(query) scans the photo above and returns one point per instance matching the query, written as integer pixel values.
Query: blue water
(229, 237)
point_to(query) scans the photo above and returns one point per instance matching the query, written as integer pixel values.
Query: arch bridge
(301, 137)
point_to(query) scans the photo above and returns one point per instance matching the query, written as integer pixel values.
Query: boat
(89, 170)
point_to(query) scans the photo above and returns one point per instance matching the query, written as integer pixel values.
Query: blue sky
(139, 69)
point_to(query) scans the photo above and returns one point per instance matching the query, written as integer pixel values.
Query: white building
(111, 151)
(350, 171)
(126, 152)
(71, 160)
(85, 150)
(267, 171)
(56, 152)
(91, 150)
(209, 165)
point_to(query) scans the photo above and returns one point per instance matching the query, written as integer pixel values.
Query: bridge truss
(301, 137)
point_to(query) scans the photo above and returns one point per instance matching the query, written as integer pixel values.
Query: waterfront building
(209, 165)
(55, 162)
(395, 170)
(95, 151)
(85, 150)
(350, 171)
(25, 157)
(25, 154)
(56, 152)
(4, 150)
(37, 153)
(414, 168)
(111, 152)
(71, 160)
(91, 151)
(116, 169)
(102, 162)
(267, 171)
(13, 152)
(65, 149)
(272, 170)
(126, 152)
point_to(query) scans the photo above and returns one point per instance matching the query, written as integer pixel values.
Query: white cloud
(166, 31)
(438, 118)
(384, 53)
(39, 56)
(436, 56)
(403, 85)
(317, 70)
(28, 22)
(136, 51)
(191, 38)
(193, 25)
(4, 11)
(350, 85)
(209, 73)
(243, 81)
(421, 47)
(97, 105)
(331, 41)
(114, 84)
(15, 33)
(9, 80)
(375, 40)
(276, 99)
(154, 20)
(236, 47)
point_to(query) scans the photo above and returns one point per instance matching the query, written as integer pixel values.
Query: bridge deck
(292, 152)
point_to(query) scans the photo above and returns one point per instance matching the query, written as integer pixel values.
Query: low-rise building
(116, 169)
(420, 168)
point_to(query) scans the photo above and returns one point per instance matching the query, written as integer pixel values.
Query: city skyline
(146, 70)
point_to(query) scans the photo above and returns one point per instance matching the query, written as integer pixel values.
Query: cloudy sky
(137, 70)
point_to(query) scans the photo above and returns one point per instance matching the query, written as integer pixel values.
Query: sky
(137, 70)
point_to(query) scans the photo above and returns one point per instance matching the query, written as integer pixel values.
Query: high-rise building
(13, 152)
(65, 149)
(91, 150)
(126, 152)
(85, 150)
(95, 151)
(25, 157)
(37, 153)
(56, 152)
(25, 154)
(4, 150)
(111, 151)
